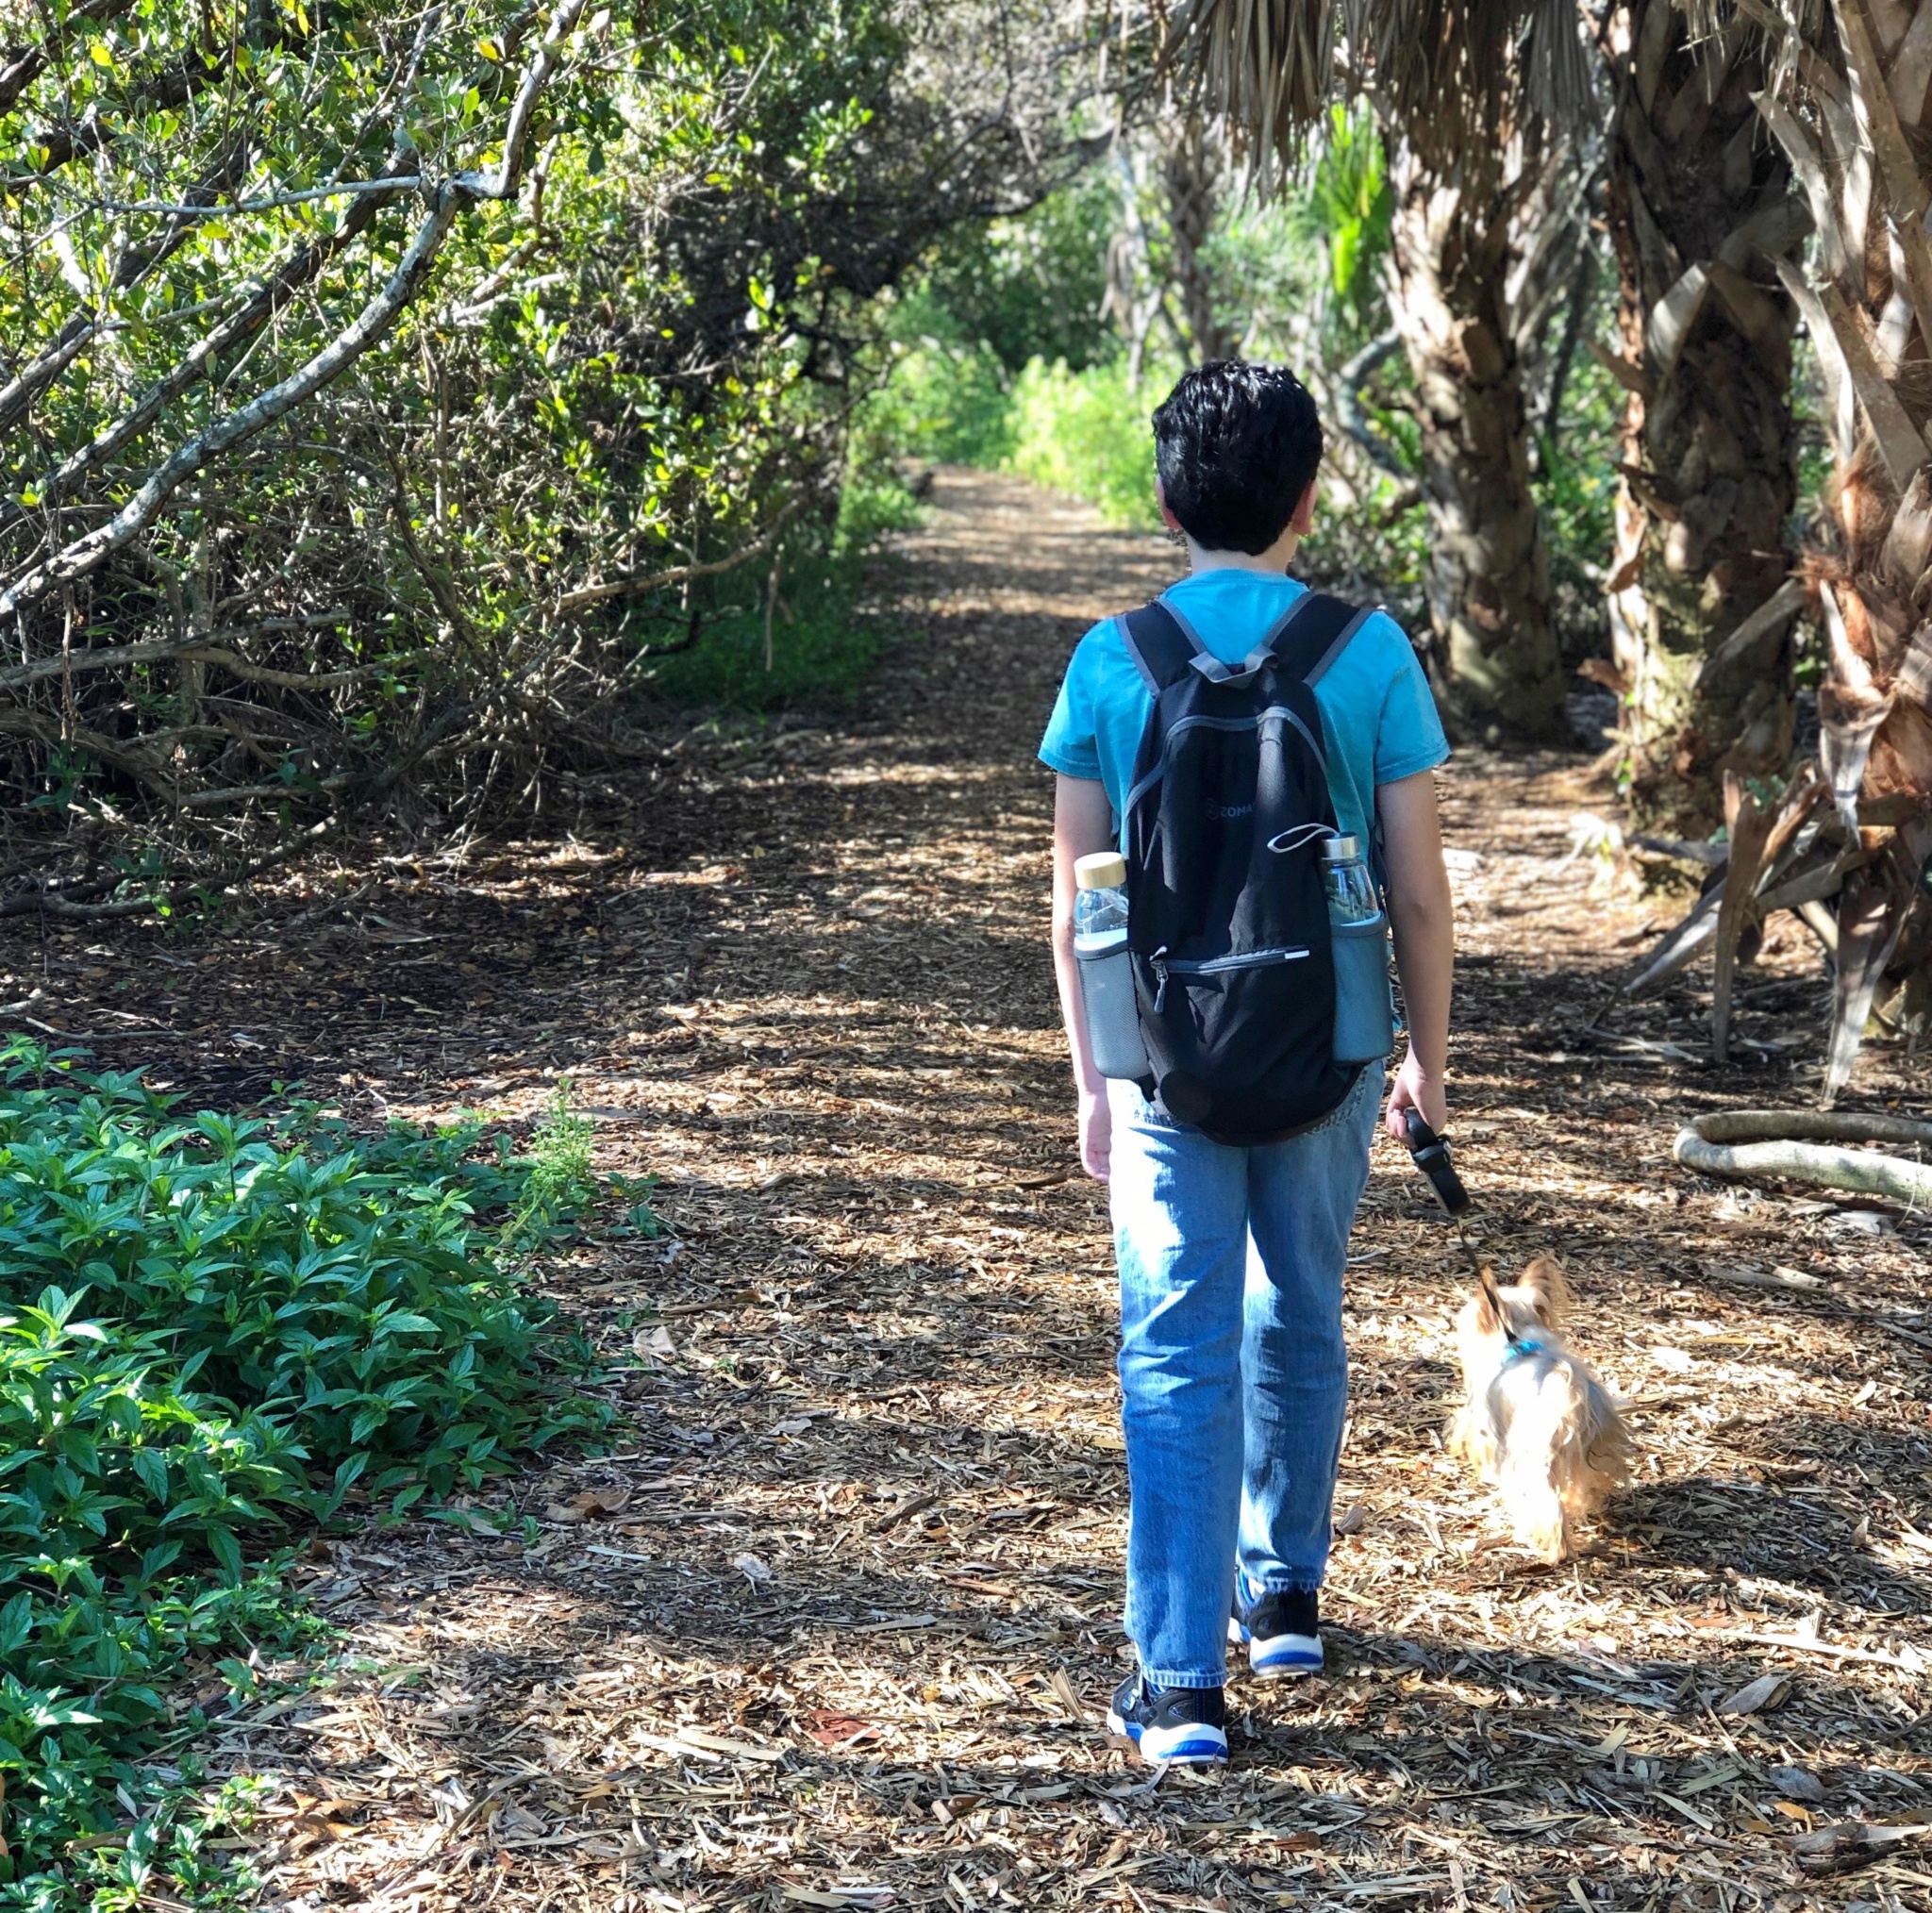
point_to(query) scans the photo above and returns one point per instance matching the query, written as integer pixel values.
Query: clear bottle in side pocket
(1359, 931)
(1107, 972)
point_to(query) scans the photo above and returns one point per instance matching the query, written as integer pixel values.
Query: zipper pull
(1159, 962)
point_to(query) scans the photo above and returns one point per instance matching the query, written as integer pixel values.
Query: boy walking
(1231, 1254)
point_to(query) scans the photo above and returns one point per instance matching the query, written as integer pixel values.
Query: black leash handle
(1431, 1156)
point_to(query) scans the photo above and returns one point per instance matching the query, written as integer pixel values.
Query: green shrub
(948, 397)
(1086, 434)
(818, 644)
(562, 1182)
(234, 1325)
(112, 1473)
(350, 1298)
(1033, 286)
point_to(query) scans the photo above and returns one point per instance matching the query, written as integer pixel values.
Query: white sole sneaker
(1190, 1744)
(1279, 1656)
(1136, 1714)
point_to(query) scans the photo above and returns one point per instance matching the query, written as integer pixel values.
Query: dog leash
(1430, 1154)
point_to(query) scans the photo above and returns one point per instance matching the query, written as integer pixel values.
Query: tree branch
(677, 575)
(1349, 413)
(28, 65)
(447, 203)
(151, 650)
(267, 301)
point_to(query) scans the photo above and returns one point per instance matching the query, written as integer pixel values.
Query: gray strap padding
(1341, 644)
(1141, 664)
(1215, 671)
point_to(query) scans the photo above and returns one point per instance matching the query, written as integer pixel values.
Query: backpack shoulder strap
(1160, 645)
(1303, 643)
(1311, 635)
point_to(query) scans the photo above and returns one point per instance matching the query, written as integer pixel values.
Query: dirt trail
(836, 1622)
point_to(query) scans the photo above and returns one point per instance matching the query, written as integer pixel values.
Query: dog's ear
(1489, 1303)
(1548, 1290)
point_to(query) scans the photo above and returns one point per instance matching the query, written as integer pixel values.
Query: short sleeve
(1408, 735)
(1072, 746)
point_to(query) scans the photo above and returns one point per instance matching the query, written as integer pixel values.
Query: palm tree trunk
(1857, 127)
(1495, 661)
(1191, 173)
(1700, 210)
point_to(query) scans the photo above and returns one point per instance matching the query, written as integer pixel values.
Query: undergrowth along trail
(834, 1622)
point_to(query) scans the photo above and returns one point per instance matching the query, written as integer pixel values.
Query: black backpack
(1227, 918)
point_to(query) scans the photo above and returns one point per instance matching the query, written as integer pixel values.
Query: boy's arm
(1422, 916)
(1082, 823)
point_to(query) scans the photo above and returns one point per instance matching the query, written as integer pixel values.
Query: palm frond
(1450, 71)
(1265, 68)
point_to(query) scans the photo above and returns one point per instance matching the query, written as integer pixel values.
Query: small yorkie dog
(1539, 1423)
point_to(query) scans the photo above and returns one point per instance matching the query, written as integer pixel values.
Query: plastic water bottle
(1364, 1026)
(1107, 971)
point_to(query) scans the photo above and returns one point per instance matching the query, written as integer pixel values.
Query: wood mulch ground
(835, 1621)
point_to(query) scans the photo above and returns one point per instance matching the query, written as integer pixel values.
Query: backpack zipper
(1165, 965)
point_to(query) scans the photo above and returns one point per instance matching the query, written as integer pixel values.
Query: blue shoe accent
(1171, 1725)
(1281, 1633)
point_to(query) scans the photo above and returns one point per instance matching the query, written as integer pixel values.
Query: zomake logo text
(1222, 813)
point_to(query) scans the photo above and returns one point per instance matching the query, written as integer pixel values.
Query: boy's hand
(1096, 1135)
(1414, 1089)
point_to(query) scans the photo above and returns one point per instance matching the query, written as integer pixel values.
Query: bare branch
(153, 650)
(343, 189)
(517, 135)
(677, 575)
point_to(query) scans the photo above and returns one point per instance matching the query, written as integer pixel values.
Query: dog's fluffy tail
(1604, 1440)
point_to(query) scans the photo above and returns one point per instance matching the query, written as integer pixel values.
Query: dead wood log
(1746, 1145)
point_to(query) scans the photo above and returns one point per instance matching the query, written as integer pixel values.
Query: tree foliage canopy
(380, 389)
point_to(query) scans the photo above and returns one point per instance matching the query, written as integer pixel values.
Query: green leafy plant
(1087, 434)
(1342, 208)
(562, 1183)
(234, 1325)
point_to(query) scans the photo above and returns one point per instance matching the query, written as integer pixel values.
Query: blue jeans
(1232, 1365)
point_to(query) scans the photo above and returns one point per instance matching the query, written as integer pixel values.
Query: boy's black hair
(1236, 447)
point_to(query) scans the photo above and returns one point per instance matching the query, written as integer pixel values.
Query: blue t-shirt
(1378, 719)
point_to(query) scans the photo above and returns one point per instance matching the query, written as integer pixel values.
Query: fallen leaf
(653, 1341)
(837, 1896)
(831, 1729)
(1766, 1693)
(1676, 1361)
(754, 1570)
(1796, 1784)
(594, 1503)
(1353, 1523)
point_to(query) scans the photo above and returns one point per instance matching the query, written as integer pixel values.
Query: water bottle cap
(1342, 849)
(1104, 870)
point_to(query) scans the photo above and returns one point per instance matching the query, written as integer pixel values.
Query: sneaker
(1184, 1724)
(1282, 1632)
